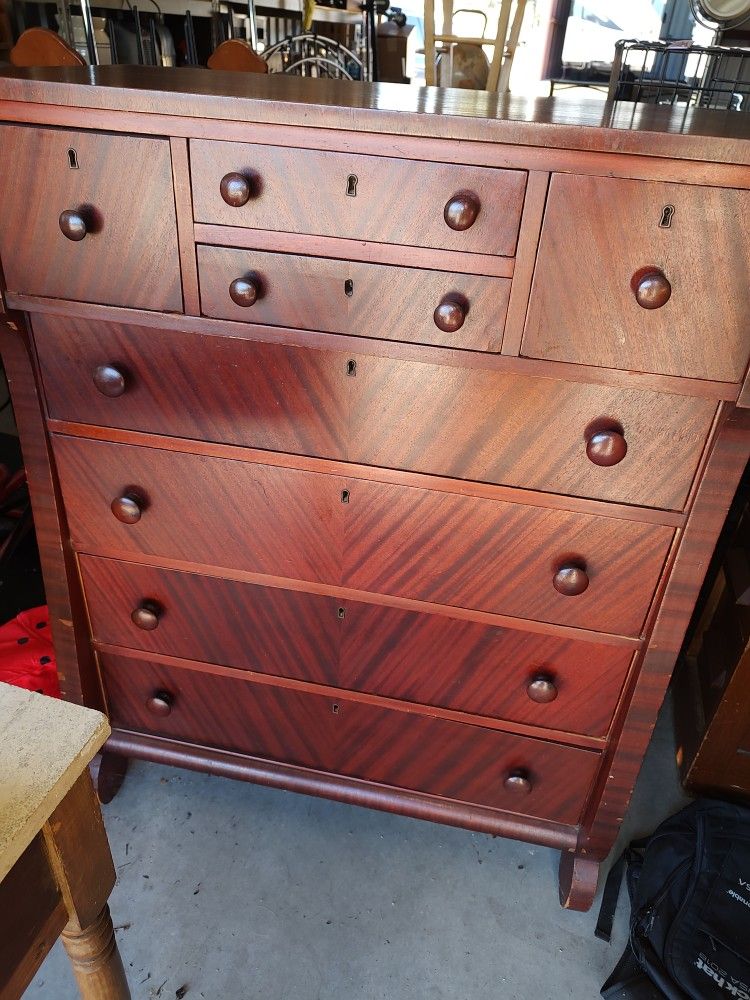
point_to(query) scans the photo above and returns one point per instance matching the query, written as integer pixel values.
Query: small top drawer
(644, 276)
(96, 220)
(442, 205)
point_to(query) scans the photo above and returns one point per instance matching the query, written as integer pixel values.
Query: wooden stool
(42, 47)
(235, 54)
(56, 870)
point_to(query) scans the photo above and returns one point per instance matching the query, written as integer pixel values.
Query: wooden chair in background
(235, 54)
(504, 44)
(42, 47)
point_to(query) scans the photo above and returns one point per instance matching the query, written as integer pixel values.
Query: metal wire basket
(711, 76)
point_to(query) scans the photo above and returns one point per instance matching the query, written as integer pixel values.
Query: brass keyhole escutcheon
(348, 288)
(351, 186)
(345, 496)
(667, 214)
(351, 368)
(73, 159)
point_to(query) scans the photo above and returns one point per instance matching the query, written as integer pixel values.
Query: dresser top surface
(395, 109)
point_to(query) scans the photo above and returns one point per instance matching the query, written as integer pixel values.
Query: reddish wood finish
(464, 763)
(122, 186)
(389, 200)
(235, 55)
(428, 489)
(444, 356)
(412, 657)
(614, 236)
(294, 400)
(351, 297)
(75, 662)
(353, 533)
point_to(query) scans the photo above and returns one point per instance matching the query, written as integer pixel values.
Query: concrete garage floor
(239, 892)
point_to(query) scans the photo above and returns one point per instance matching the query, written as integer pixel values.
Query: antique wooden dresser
(378, 437)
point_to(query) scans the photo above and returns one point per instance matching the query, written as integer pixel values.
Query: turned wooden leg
(79, 856)
(578, 880)
(108, 771)
(96, 962)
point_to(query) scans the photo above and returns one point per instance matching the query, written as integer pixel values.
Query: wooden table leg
(80, 857)
(96, 962)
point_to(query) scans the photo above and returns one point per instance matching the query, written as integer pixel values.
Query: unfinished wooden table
(56, 870)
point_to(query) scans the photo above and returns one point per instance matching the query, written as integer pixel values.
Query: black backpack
(689, 886)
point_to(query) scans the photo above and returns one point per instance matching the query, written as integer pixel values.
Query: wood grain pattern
(75, 665)
(129, 256)
(446, 356)
(463, 763)
(726, 464)
(184, 216)
(494, 427)
(199, 94)
(364, 250)
(615, 234)
(404, 802)
(412, 657)
(395, 303)
(305, 191)
(372, 537)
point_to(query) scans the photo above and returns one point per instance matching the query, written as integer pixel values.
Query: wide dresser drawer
(228, 710)
(350, 297)
(628, 445)
(387, 200)
(466, 666)
(533, 562)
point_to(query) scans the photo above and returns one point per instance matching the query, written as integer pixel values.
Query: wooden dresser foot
(96, 961)
(108, 772)
(578, 881)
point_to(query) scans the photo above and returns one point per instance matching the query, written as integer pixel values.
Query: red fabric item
(27, 658)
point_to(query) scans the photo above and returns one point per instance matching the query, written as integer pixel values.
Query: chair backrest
(42, 47)
(236, 54)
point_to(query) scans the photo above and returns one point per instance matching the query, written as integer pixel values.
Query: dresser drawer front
(601, 237)
(388, 201)
(440, 548)
(120, 187)
(493, 427)
(339, 735)
(351, 297)
(428, 659)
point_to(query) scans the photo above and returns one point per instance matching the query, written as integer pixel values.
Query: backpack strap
(632, 857)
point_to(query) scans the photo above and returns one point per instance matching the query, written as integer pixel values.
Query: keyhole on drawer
(341, 613)
(335, 708)
(345, 496)
(348, 288)
(351, 186)
(73, 159)
(667, 214)
(351, 368)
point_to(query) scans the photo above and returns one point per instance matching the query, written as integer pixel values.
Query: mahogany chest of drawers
(378, 438)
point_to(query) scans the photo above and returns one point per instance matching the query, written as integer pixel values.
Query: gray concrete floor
(239, 892)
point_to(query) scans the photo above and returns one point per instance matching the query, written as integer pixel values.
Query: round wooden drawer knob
(570, 581)
(243, 292)
(110, 381)
(542, 689)
(160, 703)
(518, 782)
(461, 212)
(235, 190)
(653, 290)
(147, 616)
(449, 316)
(127, 509)
(606, 448)
(72, 225)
